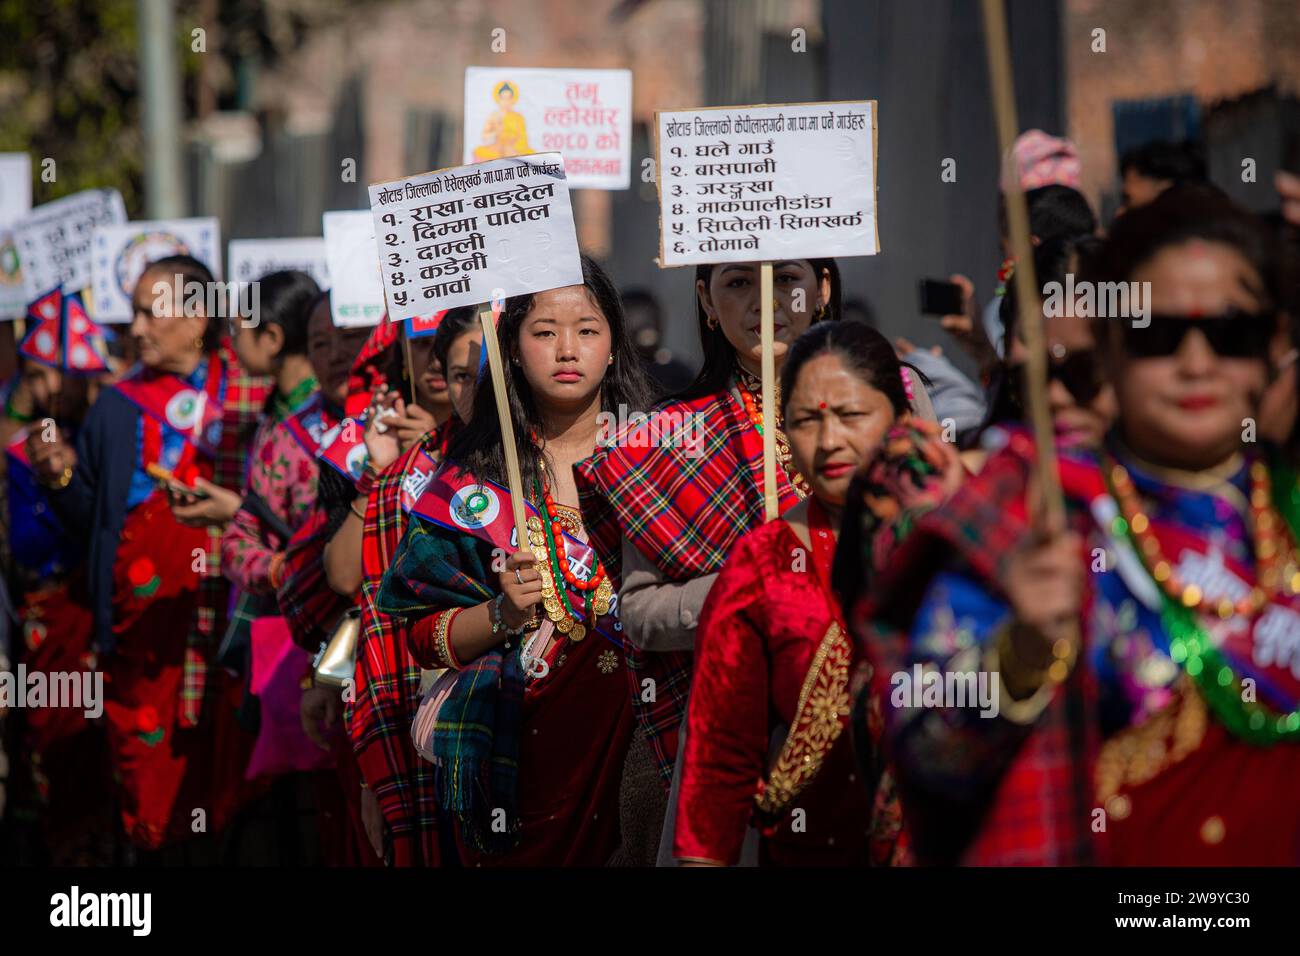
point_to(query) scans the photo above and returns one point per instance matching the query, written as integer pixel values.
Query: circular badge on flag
(474, 507)
(183, 410)
(356, 461)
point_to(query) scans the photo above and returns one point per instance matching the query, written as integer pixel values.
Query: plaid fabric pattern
(307, 601)
(245, 397)
(683, 507)
(388, 679)
(477, 733)
(976, 791)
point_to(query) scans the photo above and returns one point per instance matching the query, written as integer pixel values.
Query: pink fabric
(1038, 160)
(279, 666)
(283, 474)
(426, 717)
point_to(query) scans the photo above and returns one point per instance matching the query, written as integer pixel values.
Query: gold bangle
(442, 639)
(360, 514)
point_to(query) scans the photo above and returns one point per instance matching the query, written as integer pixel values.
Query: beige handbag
(336, 664)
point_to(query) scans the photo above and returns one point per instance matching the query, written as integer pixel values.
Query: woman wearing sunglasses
(1081, 400)
(1170, 733)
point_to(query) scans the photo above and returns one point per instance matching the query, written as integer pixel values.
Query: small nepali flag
(418, 327)
(343, 448)
(41, 344)
(85, 346)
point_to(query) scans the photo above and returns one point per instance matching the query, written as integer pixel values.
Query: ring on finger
(518, 576)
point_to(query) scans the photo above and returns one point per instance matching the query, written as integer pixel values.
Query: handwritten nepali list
(763, 183)
(462, 236)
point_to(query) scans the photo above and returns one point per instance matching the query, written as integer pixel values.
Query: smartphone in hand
(169, 482)
(939, 297)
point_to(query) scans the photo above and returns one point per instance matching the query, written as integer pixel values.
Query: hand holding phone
(939, 297)
(169, 482)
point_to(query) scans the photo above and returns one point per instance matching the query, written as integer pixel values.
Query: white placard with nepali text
(121, 252)
(584, 114)
(461, 236)
(766, 183)
(15, 202)
(356, 291)
(250, 259)
(54, 240)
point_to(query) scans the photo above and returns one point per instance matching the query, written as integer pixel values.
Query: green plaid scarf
(476, 737)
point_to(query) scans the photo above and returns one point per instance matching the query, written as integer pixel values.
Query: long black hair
(862, 349)
(719, 356)
(478, 447)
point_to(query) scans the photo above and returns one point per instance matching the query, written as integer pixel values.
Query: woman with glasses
(1081, 401)
(146, 487)
(1147, 654)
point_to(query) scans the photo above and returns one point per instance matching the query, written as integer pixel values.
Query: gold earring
(198, 342)
(611, 358)
(712, 322)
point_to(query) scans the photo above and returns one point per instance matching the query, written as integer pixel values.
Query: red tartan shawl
(388, 678)
(684, 505)
(1040, 809)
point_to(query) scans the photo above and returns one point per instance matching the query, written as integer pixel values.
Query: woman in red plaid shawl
(663, 514)
(1172, 734)
(532, 720)
(154, 569)
(388, 676)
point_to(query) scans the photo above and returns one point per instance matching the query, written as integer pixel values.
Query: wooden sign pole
(767, 333)
(1051, 509)
(513, 476)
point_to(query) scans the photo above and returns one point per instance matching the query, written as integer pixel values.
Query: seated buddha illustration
(505, 133)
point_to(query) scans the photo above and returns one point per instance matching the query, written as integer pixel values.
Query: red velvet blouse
(764, 621)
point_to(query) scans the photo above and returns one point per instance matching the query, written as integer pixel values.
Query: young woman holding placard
(664, 515)
(533, 718)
